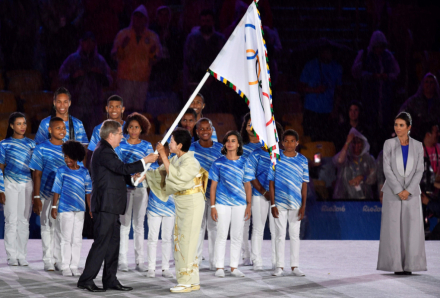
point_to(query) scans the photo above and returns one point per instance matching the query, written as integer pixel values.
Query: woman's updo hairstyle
(405, 116)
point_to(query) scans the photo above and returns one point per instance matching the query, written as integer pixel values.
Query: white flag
(242, 65)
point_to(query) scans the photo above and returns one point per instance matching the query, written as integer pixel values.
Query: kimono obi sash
(200, 184)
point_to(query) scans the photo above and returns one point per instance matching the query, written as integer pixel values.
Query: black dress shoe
(407, 272)
(399, 273)
(120, 287)
(91, 288)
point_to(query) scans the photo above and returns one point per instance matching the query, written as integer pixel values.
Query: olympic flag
(242, 65)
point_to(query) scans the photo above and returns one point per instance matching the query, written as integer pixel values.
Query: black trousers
(105, 248)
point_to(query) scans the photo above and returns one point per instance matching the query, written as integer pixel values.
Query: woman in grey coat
(402, 241)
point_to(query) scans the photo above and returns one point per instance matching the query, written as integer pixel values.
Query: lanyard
(436, 154)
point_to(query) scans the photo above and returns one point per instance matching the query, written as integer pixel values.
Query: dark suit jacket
(110, 177)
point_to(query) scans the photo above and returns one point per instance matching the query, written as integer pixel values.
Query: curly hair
(74, 150)
(239, 139)
(141, 119)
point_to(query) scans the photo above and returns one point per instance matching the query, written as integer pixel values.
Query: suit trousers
(105, 248)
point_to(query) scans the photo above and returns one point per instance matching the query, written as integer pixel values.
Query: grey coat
(402, 239)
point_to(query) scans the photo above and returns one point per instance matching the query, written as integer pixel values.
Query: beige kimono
(187, 182)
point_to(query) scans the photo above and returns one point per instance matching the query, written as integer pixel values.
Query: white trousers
(233, 217)
(154, 223)
(260, 212)
(50, 234)
(207, 223)
(17, 211)
(71, 227)
(291, 216)
(245, 247)
(137, 201)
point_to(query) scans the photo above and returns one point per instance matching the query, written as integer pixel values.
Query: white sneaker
(123, 267)
(22, 262)
(237, 273)
(247, 262)
(297, 272)
(75, 272)
(57, 267)
(258, 268)
(141, 267)
(167, 274)
(220, 273)
(67, 272)
(12, 262)
(49, 267)
(151, 273)
(278, 272)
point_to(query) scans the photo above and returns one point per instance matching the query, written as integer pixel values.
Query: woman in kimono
(182, 177)
(402, 240)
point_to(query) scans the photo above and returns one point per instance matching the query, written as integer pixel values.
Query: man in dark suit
(109, 199)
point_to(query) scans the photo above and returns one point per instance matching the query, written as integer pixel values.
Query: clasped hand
(403, 195)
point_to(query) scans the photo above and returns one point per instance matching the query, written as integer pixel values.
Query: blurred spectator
(356, 169)
(165, 72)
(433, 206)
(19, 27)
(189, 17)
(424, 106)
(85, 73)
(58, 34)
(355, 120)
(201, 48)
(102, 18)
(321, 81)
(239, 11)
(380, 174)
(136, 48)
(431, 149)
(377, 70)
(229, 9)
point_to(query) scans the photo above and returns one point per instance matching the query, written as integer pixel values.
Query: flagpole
(176, 122)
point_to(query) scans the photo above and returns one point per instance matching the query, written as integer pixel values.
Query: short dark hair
(74, 150)
(427, 128)
(203, 120)
(291, 132)
(108, 127)
(115, 98)
(201, 96)
(141, 119)
(405, 116)
(62, 90)
(191, 111)
(55, 119)
(243, 131)
(12, 118)
(239, 139)
(182, 136)
(207, 12)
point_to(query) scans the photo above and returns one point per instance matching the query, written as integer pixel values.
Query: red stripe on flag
(268, 123)
(265, 94)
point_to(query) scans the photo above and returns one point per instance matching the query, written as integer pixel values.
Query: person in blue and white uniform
(231, 196)
(47, 158)
(250, 143)
(132, 150)
(198, 105)
(206, 151)
(74, 127)
(160, 213)
(288, 185)
(115, 109)
(72, 188)
(15, 155)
